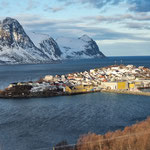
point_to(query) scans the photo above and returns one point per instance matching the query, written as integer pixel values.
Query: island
(124, 79)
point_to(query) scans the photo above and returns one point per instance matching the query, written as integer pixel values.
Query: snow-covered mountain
(46, 44)
(78, 48)
(20, 47)
(17, 47)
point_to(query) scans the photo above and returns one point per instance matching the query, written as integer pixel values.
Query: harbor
(122, 79)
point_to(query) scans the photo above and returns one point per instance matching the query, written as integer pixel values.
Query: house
(92, 71)
(48, 78)
(109, 85)
(122, 85)
(130, 66)
(12, 85)
(131, 86)
(21, 83)
(79, 89)
(115, 85)
(89, 87)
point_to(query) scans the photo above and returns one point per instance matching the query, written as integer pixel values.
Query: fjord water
(28, 124)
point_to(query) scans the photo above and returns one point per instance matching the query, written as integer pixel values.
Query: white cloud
(54, 9)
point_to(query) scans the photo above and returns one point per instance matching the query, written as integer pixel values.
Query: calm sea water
(30, 124)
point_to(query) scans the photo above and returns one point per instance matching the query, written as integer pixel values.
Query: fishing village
(114, 79)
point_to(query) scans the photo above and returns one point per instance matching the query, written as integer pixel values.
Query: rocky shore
(23, 91)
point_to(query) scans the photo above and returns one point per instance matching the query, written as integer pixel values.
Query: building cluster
(112, 77)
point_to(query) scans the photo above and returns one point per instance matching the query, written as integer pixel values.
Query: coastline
(140, 93)
(118, 79)
(43, 95)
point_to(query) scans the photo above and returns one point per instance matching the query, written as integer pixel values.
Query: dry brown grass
(135, 137)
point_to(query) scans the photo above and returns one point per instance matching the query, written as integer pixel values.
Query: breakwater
(126, 92)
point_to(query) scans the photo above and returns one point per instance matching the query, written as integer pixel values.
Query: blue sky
(120, 27)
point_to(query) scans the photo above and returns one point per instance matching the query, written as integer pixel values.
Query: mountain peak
(17, 47)
(10, 25)
(85, 38)
(9, 20)
(13, 35)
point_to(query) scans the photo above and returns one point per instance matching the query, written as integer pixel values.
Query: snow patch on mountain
(77, 48)
(37, 38)
(46, 44)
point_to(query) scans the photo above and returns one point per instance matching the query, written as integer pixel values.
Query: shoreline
(140, 93)
(41, 95)
(111, 79)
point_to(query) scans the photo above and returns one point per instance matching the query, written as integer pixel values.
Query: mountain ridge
(78, 48)
(20, 47)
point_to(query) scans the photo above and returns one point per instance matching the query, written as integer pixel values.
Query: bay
(40, 123)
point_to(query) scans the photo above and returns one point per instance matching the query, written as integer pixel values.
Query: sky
(120, 27)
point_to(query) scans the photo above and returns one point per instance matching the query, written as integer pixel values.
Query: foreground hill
(135, 137)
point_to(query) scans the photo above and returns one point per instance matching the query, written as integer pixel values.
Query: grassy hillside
(135, 137)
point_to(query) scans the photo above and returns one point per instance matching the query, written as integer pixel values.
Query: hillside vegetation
(135, 137)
